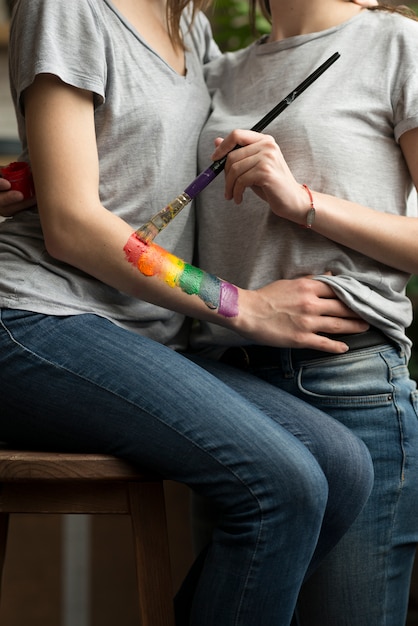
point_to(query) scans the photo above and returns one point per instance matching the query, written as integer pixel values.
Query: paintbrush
(148, 231)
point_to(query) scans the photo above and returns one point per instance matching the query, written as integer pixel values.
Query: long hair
(174, 12)
(401, 9)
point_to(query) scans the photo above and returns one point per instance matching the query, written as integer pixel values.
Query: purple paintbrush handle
(201, 182)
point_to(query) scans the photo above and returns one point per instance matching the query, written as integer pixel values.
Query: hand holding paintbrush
(155, 225)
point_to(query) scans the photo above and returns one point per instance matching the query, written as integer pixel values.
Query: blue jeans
(80, 383)
(365, 580)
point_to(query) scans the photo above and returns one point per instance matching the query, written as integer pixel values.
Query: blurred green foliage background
(230, 24)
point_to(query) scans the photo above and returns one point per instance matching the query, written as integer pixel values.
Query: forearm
(387, 238)
(103, 246)
(152, 260)
(259, 164)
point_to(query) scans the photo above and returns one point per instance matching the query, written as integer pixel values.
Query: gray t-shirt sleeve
(406, 111)
(37, 52)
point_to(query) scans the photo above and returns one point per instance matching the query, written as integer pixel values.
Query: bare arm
(261, 166)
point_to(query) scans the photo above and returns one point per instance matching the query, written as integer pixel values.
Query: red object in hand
(19, 176)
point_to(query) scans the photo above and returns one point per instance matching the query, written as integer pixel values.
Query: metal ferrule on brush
(148, 231)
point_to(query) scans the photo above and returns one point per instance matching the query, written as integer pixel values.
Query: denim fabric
(81, 383)
(365, 579)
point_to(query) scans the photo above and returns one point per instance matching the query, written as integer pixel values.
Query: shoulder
(40, 27)
(56, 19)
(61, 38)
(387, 40)
(43, 8)
(58, 16)
(391, 26)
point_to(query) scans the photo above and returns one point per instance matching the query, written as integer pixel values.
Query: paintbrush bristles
(147, 232)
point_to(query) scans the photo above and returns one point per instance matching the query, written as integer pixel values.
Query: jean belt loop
(286, 362)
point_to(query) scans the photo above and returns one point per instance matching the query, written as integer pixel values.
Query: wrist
(228, 300)
(311, 211)
(253, 316)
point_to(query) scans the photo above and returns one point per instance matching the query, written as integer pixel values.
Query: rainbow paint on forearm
(152, 260)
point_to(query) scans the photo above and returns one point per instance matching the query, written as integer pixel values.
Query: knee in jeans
(351, 467)
(304, 491)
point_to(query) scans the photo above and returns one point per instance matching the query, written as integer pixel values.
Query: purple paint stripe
(228, 300)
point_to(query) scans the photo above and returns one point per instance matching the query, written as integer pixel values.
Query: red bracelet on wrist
(310, 216)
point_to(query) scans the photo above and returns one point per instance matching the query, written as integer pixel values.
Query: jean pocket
(361, 379)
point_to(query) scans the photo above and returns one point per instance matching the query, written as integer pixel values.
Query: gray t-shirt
(148, 119)
(340, 137)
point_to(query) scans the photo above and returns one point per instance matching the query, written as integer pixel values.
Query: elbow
(55, 249)
(58, 242)
(63, 231)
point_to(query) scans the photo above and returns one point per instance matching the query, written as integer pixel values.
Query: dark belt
(246, 357)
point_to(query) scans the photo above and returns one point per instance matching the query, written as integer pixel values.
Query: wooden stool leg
(4, 527)
(149, 524)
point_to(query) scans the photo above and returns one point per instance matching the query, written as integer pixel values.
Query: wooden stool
(62, 483)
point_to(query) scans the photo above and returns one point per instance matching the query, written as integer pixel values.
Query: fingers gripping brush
(155, 225)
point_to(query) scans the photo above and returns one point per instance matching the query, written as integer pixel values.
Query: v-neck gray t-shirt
(147, 119)
(340, 137)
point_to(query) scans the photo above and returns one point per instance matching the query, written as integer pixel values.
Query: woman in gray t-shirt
(341, 183)
(110, 99)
